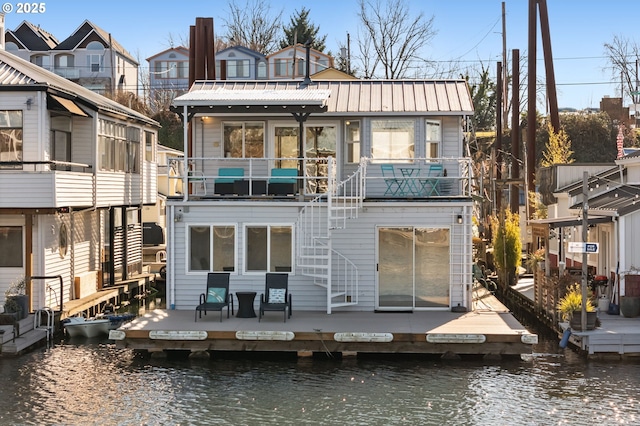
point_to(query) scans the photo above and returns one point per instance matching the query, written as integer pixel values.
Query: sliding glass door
(413, 268)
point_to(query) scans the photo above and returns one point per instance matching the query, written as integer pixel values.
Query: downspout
(171, 277)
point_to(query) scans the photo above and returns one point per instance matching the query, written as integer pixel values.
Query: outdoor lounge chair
(227, 177)
(217, 295)
(276, 296)
(283, 181)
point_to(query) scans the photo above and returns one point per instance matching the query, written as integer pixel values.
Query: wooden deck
(490, 330)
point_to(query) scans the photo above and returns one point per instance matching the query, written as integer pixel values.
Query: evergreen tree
(507, 245)
(558, 149)
(301, 30)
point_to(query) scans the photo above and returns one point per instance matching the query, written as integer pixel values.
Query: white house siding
(357, 242)
(630, 244)
(150, 182)
(73, 189)
(118, 188)
(190, 285)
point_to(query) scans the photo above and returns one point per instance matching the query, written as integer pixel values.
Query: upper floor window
(64, 61)
(133, 150)
(262, 69)
(243, 139)
(41, 60)
(11, 250)
(149, 151)
(10, 138)
(238, 68)
(171, 69)
(392, 140)
(323, 64)
(112, 144)
(281, 67)
(95, 62)
(433, 138)
(95, 45)
(11, 46)
(352, 138)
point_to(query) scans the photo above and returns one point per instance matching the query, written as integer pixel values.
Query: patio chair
(276, 296)
(283, 181)
(430, 185)
(217, 295)
(394, 184)
(227, 177)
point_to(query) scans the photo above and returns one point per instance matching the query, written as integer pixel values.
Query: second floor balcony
(265, 178)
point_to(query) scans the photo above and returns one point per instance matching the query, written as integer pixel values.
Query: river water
(81, 382)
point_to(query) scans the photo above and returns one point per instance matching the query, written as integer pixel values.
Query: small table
(245, 304)
(409, 183)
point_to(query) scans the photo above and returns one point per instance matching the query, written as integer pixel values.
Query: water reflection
(80, 382)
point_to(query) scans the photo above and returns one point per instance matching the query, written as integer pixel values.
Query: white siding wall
(357, 242)
(83, 141)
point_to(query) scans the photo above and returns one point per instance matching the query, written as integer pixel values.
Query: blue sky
(467, 30)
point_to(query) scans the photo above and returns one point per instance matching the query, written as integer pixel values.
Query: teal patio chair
(431, 185)
(394, 184)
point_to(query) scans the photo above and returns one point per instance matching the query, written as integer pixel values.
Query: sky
(468, 31)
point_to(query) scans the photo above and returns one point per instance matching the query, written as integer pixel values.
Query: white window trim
(187, 239)
(427, 141)
(268, 226)
(244, 129)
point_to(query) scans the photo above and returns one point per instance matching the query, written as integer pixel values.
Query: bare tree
(623, 55)
(253, 26)
(393, 34)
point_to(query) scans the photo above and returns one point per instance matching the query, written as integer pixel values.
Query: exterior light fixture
(460, 219)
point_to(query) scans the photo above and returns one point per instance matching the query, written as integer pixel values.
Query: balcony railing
(45, 166)
(413, 178)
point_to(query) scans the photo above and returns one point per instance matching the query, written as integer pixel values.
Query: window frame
(389, 126)
(352, 144)
(227, 153)
(9, 126)
(15, 247)
(429, 142)
(268, 254)
(212, 254)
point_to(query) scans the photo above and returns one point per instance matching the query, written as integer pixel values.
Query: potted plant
(536, 259)
(570, 309)
(15, 298)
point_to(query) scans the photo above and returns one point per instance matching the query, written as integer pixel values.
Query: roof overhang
(568, 221)
(224, 101)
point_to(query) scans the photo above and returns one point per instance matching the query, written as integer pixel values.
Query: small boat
(80, 326)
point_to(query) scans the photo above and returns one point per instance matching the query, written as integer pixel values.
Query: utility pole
(505, 76)
(585, 237)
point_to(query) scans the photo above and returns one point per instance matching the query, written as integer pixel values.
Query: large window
(10, 138)
(112, 145)
(238, 68)
(212, 248)
(243, 139)
(149, 153)
(95, 62)
(11, 247)
(282, 67)
(268, 248)
(392, 140)
(434, 139)
(171, 69)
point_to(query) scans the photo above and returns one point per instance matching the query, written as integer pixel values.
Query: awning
(566, 221)
(65, 104)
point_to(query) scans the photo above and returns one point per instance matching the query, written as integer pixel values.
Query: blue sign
(591, 247)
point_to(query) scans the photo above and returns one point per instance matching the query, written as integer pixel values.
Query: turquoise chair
(283, 181)
(227, 176)
(394, 184)
(431, 185)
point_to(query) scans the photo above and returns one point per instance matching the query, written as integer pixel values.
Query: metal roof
(18, 74)
(346, 97)
(622, 199)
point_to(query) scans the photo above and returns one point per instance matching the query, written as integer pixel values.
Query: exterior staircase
(316, 222)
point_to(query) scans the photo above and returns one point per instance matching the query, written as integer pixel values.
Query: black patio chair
(276, 296)
(217, 295)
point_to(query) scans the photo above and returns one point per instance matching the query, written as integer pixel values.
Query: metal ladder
(37, 321)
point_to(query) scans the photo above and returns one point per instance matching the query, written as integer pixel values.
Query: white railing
(413, 175)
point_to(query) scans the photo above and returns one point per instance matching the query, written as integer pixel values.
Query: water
(80, 382)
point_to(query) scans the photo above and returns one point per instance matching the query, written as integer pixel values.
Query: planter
(603, 304)
(630, 306)
(17, 304)
(576, 320)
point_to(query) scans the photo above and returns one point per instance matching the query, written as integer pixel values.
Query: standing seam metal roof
(354, 96)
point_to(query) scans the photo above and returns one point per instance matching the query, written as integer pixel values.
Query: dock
(490, 330)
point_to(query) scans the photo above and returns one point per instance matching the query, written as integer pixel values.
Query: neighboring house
(90, 56)
(290, 63)
(332, 74)
(241, 63)
(75, 171)
(291, 176)
(168, 75)
(613, 217)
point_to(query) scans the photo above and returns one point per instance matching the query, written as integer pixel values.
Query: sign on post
(578, 247)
